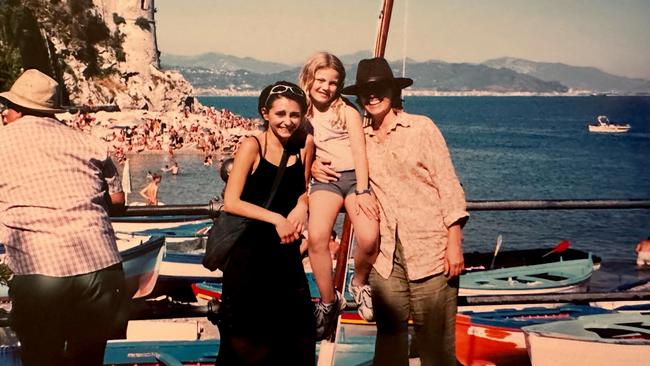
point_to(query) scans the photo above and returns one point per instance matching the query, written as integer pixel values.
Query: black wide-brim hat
(375, 71)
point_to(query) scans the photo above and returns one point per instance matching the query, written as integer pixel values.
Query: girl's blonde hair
(324, 60)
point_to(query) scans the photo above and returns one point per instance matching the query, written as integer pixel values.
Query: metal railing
(213, 207)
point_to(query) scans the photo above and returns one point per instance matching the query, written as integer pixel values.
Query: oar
(496, 250)
(559, 248)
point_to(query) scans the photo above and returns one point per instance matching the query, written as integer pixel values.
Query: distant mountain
(204, 79)
(354, 58)
(449, 77)
(575, 77)
(222, 62)
(428, 76)
(211, 71)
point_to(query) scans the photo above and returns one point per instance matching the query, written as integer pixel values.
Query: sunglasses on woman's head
(281, 89)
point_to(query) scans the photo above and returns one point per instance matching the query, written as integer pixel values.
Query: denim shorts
(346, 184)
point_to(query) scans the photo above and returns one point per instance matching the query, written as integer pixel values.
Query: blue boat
(350, 351)
(554, 277)
(495, 337)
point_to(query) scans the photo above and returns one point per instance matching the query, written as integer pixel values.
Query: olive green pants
(429, 302)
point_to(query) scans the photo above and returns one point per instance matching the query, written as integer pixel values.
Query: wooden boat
(141, 260)
(562, 276)
(525, 257)
(555, 276)
(140, 223)
(177, 274)
(595, 340)
(353, 351)
(630, 305)
(151, 353)
(194, 229)
(495, 337)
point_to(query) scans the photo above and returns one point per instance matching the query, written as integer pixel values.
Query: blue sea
(506, 148)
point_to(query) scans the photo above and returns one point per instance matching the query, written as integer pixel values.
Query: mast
(328, 346)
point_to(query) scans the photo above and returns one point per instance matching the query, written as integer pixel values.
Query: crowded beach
(191, 129)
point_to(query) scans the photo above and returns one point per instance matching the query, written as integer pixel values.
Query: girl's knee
(318, 240)
(367, 243)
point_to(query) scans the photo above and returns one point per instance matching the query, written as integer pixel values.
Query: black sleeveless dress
(265, 291)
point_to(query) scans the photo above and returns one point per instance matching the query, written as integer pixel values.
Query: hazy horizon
(610, 36)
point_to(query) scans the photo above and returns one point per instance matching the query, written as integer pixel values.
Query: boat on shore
(553, 277)
(495, 337)
(595, 340)
(350, 350)
(141, 261)
(133, 224)
(603, 125)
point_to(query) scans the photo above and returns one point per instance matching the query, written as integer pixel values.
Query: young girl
(265, 290)
(340, 143)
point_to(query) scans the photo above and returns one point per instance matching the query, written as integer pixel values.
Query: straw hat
(372, 72)
(36, 91)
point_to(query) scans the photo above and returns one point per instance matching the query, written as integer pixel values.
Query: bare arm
(358, 146)
(298, 215)
(307, 154)
(365, 202)
(243, 164)
(144, 192)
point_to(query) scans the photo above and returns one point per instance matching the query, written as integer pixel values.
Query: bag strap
(278, 177)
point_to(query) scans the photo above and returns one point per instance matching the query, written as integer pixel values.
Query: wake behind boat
(603, 125)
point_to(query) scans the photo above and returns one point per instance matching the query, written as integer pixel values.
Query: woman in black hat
(422, 211)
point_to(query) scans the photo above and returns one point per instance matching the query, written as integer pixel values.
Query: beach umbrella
(126, 181)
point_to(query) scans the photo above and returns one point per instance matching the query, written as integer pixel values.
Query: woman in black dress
(266, 314)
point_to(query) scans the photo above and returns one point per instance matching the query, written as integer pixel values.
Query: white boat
(594, 340)
(603, 125)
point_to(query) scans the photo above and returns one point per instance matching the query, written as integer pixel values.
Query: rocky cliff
(103, 51)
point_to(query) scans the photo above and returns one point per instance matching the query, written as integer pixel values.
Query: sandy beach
(206, 131)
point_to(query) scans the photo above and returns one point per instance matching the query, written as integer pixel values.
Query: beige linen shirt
(418, 191)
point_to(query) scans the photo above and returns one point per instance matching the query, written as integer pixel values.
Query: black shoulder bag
(228, 228)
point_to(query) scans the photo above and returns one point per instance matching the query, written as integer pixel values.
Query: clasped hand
(290, 228)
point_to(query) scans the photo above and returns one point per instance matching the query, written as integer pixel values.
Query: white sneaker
(327, 316)
(363, 297)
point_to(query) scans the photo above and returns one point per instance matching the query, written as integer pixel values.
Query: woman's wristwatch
(365, 191)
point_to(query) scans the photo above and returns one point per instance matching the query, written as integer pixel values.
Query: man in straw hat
(422, 211)
(56, 187)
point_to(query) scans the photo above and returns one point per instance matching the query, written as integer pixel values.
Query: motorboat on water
(603, 125)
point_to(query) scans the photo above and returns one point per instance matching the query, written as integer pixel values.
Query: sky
(613, 36)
